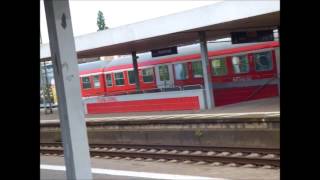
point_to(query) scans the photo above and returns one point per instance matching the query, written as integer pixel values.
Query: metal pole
(136, 71)
(66, 74)
(209, 98)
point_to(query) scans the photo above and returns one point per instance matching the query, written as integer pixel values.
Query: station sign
(252, 36)
(164, 51)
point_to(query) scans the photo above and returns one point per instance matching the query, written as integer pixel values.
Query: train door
(164, 76)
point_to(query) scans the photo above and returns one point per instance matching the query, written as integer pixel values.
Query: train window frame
(255, 63)
(133, 77)
(187, 71)
(94, 83)
(225, 65)
(168, 72)
(248, 63)
(115, 78)
(82, 82)
(107, 79)
(143, 70)
(192, 67)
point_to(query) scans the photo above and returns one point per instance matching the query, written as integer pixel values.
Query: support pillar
(135, 70)
(66, 74)
(206, 76)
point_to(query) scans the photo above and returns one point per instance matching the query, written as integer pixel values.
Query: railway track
(253, 157)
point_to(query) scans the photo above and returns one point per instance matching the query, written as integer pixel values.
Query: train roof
(93, 65)
(145, 57)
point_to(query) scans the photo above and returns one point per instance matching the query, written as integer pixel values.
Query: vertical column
(66, 73)
(206, 76)
(135, 70)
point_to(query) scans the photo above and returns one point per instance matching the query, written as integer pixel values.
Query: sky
(116, 13)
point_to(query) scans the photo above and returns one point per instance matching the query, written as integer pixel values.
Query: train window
(263, 61)
(197, 69)
(86, 83)
(181, 71)
(109, 80)
(119, 78)
(240, 64)
(164, 73)
(132, 79)
(96, 81)
(219, 67)
(147, 75)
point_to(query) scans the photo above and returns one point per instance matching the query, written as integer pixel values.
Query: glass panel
(132, 79)
(219, 67)
(109, 79)
(164, 73)
(147, 75)
(181, 71)
(119, 78)
(240, 64)
(86, 83)
(197, 69)
(263, 61)
(96, 81)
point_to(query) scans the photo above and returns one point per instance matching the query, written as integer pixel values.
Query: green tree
(100, 22)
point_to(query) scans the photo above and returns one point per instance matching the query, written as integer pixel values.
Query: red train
(239, 72)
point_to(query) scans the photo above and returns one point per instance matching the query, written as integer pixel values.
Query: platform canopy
(217, 20)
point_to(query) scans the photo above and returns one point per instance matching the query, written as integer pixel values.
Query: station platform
(254, 107)
(254, 124)
(132, 169)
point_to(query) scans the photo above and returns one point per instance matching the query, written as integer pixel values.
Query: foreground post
(66, 73)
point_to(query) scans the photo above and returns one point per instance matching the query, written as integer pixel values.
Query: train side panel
(228, 87)
(128, 87)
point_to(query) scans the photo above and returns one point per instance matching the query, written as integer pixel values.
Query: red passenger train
(239, 72)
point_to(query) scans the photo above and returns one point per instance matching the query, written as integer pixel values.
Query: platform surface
(132, 169)
(255, 107)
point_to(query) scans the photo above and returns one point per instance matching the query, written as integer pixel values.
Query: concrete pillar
(66, 74)
(135, 70)
(209, 98)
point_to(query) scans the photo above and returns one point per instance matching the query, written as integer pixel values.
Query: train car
(92, 78)
(239, 72)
